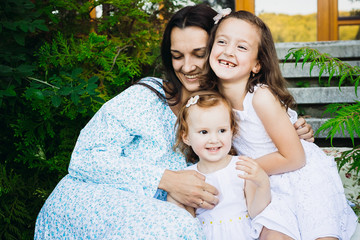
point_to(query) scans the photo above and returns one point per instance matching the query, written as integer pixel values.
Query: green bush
(57, 67)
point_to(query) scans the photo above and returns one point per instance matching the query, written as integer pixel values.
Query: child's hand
(252, 171)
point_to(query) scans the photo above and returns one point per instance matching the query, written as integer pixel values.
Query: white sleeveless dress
(229, 219)
(307, 203)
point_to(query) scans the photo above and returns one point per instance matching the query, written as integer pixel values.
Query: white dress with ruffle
(229, 219)
(307, 203)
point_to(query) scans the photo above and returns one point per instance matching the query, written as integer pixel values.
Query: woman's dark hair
(201, 16)
(269, 73)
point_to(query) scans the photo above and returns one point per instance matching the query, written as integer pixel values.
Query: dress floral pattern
(115, 168)
(311, 200)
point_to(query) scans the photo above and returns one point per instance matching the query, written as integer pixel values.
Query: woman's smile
(188, 47)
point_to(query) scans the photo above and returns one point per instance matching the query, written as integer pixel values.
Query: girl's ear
(185, 139)
(256, 68)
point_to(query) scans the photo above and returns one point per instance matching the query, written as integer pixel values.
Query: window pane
(289, 21)
(349, 8)
(349, 32)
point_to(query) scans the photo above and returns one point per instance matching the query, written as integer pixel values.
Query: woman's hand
(189, 188)
(304, 130)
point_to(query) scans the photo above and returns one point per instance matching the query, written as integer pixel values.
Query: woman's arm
(257, 185)
(127, 145)
(290, 155)
(108, 149)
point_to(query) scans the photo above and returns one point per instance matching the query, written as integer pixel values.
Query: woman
(123, 159)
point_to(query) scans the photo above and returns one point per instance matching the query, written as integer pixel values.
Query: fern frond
(326, 64)
(345, 118)
(350, 157)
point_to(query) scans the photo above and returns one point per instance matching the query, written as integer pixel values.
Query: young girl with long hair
(245, 68)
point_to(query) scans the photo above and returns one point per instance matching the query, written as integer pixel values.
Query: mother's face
(188, 47)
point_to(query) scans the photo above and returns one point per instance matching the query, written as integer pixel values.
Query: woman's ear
(185, 139)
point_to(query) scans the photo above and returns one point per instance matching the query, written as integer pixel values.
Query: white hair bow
(221, 14)
(193, 100)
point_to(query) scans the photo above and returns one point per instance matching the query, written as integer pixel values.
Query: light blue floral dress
(115, 168)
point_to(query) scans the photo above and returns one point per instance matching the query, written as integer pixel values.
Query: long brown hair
(207, 99)
(269, 74)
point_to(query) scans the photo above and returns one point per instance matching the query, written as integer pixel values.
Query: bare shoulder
(263, 98)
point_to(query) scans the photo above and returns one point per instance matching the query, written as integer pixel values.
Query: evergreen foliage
(57, 67)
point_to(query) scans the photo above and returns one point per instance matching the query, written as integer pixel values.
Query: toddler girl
(205, 128)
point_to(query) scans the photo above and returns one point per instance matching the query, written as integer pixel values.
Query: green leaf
(76, 72)
(42, 27)
(82, 109)
(349, 129)
(65, 91)
(98, 99)
(38, 94)
(9, 25)
(27, 69)
(34, 93)
(331, 74)
(5, 69)
(56, 100)
(75, 98)
(10, 92)
(40, 24)
(305, 59)
(93, 79)
(28, 5)
(287, 56)
(298, 55)
(23, 25)
(312, 66)
(19, 38)
(31, 28)
(342, 78)
(323, 67)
